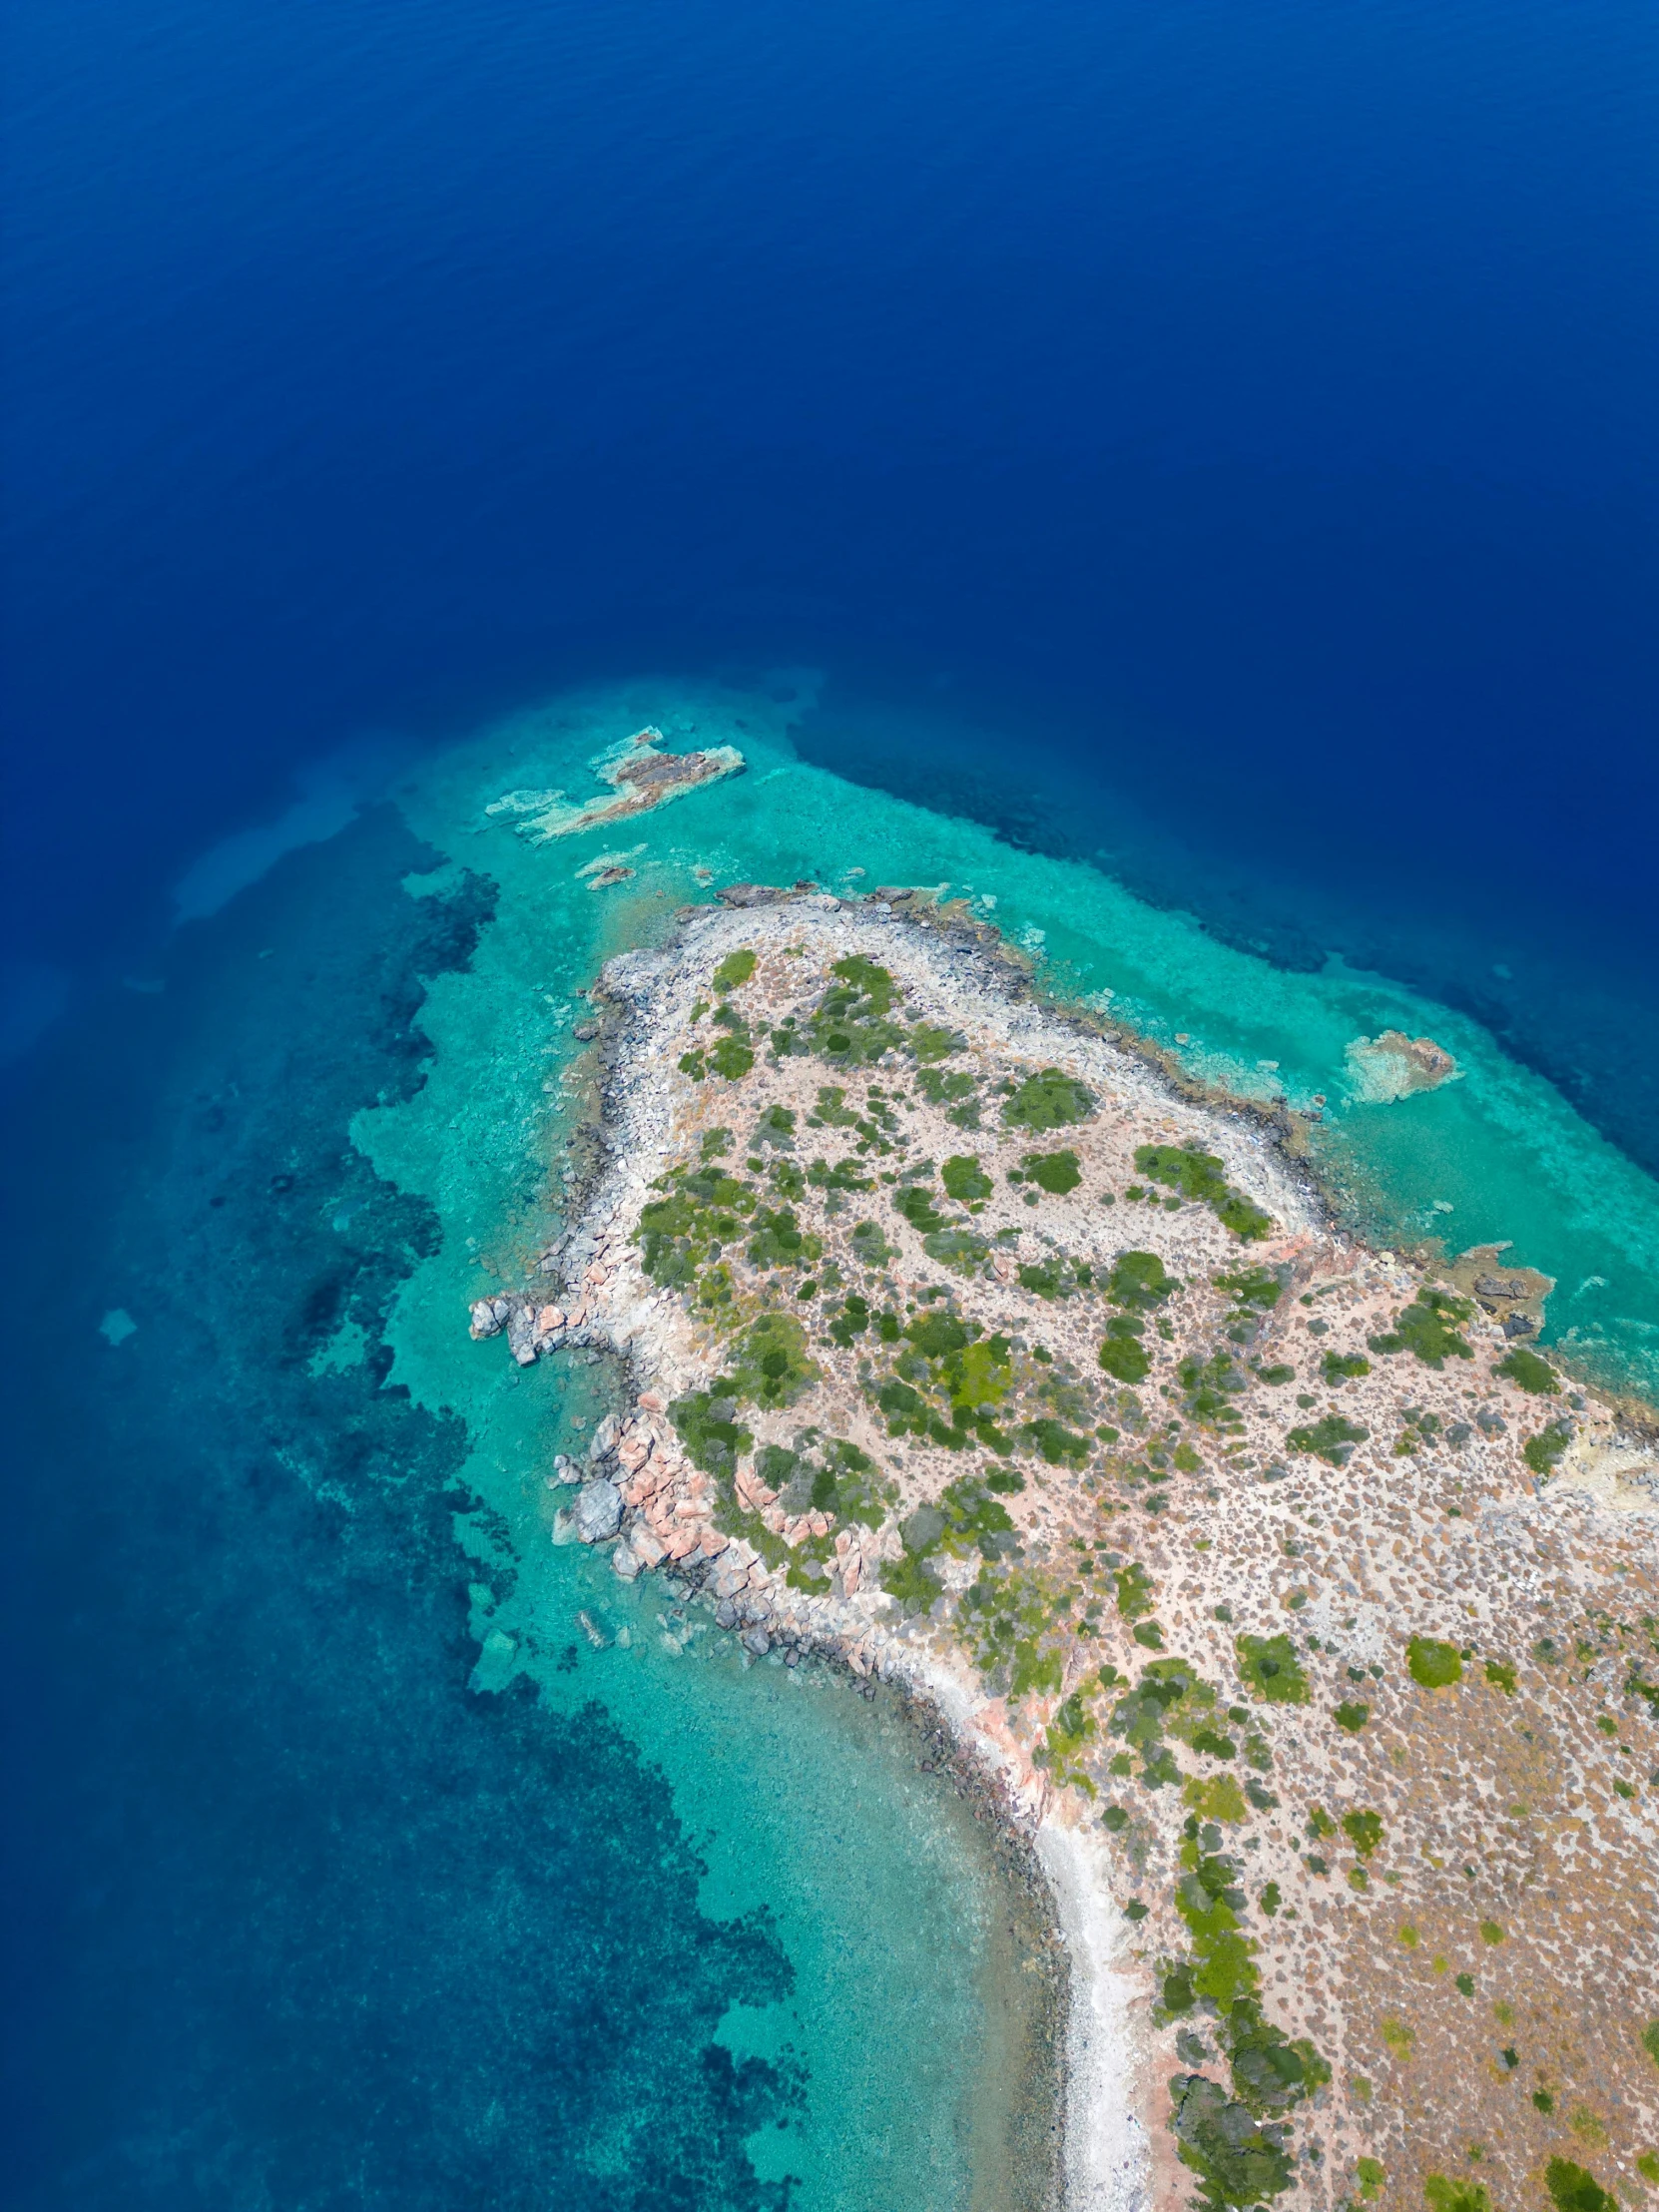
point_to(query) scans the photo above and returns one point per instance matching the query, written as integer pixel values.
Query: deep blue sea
(1213, 444)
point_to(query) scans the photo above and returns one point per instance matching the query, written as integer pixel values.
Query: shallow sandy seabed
(1322, 1646)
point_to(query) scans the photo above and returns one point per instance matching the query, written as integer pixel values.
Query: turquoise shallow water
(1495, 1156)
(398, 1849)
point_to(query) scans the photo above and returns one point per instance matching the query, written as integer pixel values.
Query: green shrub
(832, 1110)
(1363, 1831)
(1353, 1716)
(1542, 1450)
(1571, 2189)
(1237, 2162)
(965, 1180)
(909, 1579)
(1122, 1354)
(849, 1025)
(916, 1203)
(1455, 2196)
(1135, 1590)
(1343, 1367)
(1054, 1172)
(843, 1176)
(1270, 2072)
(1199, 1176)
(706, 1425)
(1050, 1279)
(958, 1249)
(1057, 1443)
(1138, 1281)
(943, 1087)
(1216, 1797)
(1332, 1440)
(775, 1125)
(1427, 1327)
(1431, 1664)
(779, 1240)
(1271, 1669)
(731, 1058)
(869, 1248)
(1253, 1290)
(1048, 1100)
(930, 1045)
(734, 970)
(1209, 1385)
(1531, 1372)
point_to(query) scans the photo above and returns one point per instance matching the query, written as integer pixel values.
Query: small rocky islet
(1283, 1577)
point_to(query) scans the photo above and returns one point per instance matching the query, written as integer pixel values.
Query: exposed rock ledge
(964, 1346)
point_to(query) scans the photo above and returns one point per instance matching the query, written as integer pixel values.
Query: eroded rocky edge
(1299, 1577)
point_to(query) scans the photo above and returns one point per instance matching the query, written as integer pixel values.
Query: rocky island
(1299, 1609)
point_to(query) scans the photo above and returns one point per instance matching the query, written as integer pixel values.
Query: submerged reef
(1282, 1580)
(1395, 1065)
(641, 778)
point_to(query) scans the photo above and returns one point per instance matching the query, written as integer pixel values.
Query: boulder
(648, 1549)
(751, 894)
(489, 1315)
(624, 1562)
(757, 1641)
(598, 1511)
(603, 1440)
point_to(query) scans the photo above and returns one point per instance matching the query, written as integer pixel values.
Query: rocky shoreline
(811, 1495)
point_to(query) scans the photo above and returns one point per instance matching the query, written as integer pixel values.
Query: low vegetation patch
(1332, 1440)
(1431, 1664)
(1542, 1452)
(1428, 1327)
(965, 1180)
(1200, 1176)
(1054, 1172)
(1138, 1281)
(1048, 1100)
(1271, 1669)
(1533, 1373)
(1122, 1354)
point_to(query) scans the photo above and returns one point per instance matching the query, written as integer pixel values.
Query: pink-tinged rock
(843, 1538)
(681, 1544)
(549, 1319)
(596, 1274)
(819, 1524)
(652, 1403)
(690, 1508)
(647, 1548)
(750, 1490)
(634, 1452)
(713, 1543)
(853, 1573)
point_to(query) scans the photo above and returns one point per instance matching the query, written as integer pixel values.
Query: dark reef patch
(306, 1918)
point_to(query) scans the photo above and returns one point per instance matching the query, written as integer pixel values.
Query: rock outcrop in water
(641, 778)
(1285, 1573)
